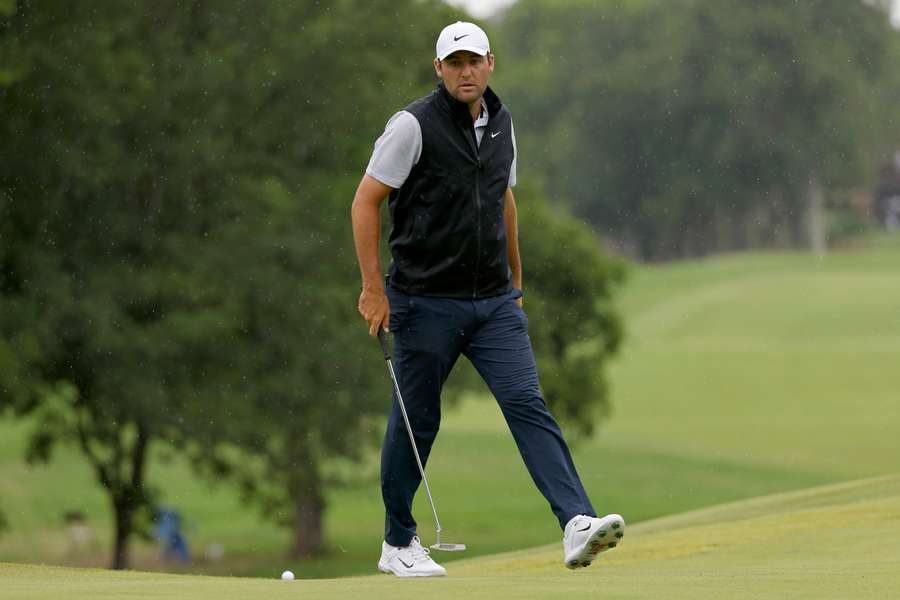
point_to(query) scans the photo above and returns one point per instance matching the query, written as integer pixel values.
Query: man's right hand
(375, 309)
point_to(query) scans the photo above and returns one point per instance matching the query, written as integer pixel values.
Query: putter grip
(384, 344)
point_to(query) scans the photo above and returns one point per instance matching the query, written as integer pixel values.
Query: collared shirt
(481, 122)
(400, 146)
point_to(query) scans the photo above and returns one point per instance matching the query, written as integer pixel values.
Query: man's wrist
(376, 287)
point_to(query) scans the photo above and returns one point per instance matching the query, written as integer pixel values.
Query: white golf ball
(287, 576)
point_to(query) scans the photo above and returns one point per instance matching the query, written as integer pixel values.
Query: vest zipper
(478, 228)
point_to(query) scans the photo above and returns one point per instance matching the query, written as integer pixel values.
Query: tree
(121, 161)
(678, 129)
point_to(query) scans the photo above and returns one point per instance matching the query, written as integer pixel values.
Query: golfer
(447, 163)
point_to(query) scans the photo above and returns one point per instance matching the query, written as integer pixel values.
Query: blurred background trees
(683, 128)
(176, 262)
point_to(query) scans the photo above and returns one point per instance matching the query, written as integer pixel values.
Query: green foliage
(676, 127)
(10, 47)
(572, 323)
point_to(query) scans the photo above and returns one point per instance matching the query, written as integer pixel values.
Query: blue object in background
(168, 533)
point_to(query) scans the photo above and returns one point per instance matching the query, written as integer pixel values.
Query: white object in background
(287, 576)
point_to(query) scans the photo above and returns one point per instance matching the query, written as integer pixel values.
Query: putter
(445, 546)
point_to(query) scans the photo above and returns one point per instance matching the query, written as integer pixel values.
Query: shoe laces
(417, 550)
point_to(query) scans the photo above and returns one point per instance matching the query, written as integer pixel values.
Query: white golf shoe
(585, 537)
(409, 561)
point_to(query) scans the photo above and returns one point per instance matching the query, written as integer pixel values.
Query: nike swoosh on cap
(456, 39)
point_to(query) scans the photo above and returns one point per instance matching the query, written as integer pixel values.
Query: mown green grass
(741, 376)
(776, 359)
(840, 541)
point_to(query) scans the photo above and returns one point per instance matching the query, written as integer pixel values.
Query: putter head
(445, 547)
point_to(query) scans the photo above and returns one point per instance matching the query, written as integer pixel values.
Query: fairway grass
(837, 541)
(740, 376)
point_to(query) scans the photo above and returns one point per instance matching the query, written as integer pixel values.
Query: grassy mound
(838, 541)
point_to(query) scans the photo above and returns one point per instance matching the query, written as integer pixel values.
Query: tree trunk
(124, 523)
(129, 498)
(815, 216)
(309, 508)
(778, 220)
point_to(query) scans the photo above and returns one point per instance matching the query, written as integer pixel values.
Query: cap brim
(475, 49)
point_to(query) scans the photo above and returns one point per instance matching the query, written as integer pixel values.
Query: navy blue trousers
(429, 336)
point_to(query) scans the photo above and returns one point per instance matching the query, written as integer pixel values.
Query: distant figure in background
(892, 214)
(169, 535)
(81, 534)
(887, 196)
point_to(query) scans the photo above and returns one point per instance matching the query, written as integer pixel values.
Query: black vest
(448, 234)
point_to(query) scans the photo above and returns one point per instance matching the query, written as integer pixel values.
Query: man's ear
(438, 69)
(490, 58)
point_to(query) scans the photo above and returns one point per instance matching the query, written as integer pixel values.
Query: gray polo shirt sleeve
(399, 148)
(396, 151)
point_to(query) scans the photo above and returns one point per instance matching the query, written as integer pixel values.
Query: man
(448, 164)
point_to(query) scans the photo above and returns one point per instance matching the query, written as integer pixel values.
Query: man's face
(465, 74)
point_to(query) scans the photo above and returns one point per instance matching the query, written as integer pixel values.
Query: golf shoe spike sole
(605, 538)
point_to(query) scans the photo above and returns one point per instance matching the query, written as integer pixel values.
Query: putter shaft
(412, 440)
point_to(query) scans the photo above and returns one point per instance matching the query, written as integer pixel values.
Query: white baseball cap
(462, 36)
